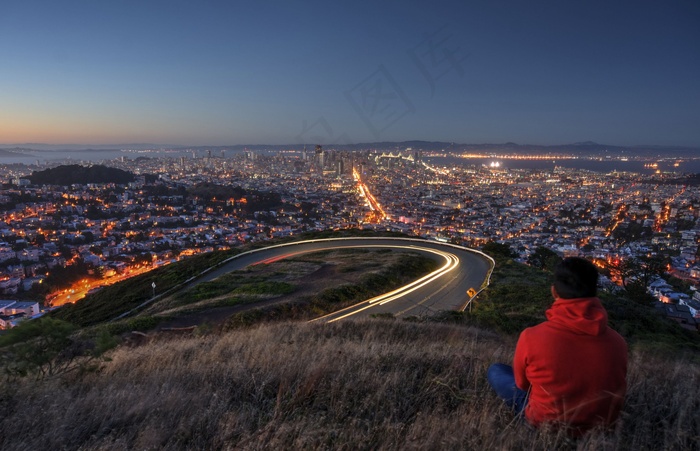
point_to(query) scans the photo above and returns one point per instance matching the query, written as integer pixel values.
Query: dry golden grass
(355, 385)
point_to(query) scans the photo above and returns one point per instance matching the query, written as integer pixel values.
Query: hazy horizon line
(122, 146)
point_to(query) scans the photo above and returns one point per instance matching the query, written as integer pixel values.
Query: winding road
(461, 270)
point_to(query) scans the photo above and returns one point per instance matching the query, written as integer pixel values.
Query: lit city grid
(112, 232)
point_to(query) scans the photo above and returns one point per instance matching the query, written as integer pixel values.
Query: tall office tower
(319, 156)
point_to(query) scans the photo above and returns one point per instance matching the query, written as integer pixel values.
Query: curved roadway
(460, 270)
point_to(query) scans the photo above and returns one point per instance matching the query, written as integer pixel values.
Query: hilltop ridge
(267, 382)
(589, 147)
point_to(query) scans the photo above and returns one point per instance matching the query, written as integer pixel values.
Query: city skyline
(229, 73)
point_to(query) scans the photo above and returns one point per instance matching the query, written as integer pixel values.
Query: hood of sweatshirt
(583, 315)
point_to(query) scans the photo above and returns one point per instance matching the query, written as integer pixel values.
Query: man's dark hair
(575, 277)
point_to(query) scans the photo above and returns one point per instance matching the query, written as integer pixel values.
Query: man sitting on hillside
(571, 369)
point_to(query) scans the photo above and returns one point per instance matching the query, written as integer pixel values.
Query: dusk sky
(231, 72)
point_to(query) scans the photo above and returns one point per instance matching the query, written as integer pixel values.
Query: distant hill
(582, 148)
(44, 147)
(75, 173)
(586, 148)
(9, 153)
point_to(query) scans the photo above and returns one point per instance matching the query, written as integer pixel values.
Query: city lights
(106, 233)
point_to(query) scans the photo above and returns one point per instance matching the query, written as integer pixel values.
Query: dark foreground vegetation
(374, 384)
(75, 173)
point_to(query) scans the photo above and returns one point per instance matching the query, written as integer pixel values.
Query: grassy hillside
(262, 382)
(374, 384)
(116, 299)
(519, 295)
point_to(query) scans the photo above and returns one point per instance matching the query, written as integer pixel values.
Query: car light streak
(377, 214)
(277, 258)
(451, 262)
(420, 303)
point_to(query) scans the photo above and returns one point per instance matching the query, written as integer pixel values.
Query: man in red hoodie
(571, 369)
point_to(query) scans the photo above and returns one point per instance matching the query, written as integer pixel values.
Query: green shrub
(139, 323)
(48, 347)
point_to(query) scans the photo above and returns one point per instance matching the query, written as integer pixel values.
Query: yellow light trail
(377, 213)
(451, 262)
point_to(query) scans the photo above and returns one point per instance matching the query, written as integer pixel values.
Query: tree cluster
(75, 173)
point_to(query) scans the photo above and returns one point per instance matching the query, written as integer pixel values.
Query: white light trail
(451, 262)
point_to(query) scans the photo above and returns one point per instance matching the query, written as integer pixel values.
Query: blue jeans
(502, 380)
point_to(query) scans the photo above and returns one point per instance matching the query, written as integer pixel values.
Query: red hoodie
(574, 366)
